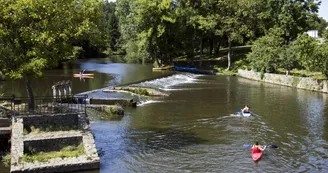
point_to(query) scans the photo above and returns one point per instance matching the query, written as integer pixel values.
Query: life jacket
(256, 150)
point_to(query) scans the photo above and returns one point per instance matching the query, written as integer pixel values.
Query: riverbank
(307, 83)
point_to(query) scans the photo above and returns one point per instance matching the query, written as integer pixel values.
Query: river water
(196, 128)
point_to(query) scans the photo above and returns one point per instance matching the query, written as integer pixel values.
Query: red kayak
(83, 75)
(257, 156)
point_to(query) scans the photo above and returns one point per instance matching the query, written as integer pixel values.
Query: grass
(68, 151)
(6, 159)
(218, 61)
(303, 73)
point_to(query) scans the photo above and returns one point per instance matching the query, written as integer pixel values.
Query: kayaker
(257, 148)
(245, 109)
(81, 72)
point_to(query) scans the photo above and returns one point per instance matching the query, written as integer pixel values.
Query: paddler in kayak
(81, 72)
(245, 109)
(257, 148)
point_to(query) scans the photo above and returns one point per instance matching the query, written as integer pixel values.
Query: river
(196, 128)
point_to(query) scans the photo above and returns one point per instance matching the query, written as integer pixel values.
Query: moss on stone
(108, 112)
(68, 151)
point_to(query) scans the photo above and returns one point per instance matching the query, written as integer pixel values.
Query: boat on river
(257, 156)
(185, 69)
(246, 114)
(163, 68)
(86, 75)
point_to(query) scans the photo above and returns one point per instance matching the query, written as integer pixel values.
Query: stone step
(5, 122)
(5, 130)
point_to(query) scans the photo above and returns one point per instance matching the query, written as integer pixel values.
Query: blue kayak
(185, 69)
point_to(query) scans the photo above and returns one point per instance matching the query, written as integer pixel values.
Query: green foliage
(265, 53)
(68, 151)
(307, 51)
(288, 57)
(37, 36)
(6, 159)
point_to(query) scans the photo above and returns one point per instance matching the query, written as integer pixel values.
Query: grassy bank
(218, 62)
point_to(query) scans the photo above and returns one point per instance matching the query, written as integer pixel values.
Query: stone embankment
(307, 83)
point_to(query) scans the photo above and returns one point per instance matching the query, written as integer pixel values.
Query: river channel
(196, 128)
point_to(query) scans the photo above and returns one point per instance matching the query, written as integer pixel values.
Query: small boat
(246, 114)
(162, 68)
(185, 69)
(257, 156)
(83, 75)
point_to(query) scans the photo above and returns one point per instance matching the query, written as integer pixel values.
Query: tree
(288, 57)
(312, 54)
(293, 17)
(265, 53)
(37, 36)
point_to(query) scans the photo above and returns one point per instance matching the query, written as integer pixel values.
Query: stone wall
(292, 81)
(66, 120)
(51, 144)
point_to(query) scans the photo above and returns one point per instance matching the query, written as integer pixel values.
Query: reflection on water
(105, 74)
(192, 129)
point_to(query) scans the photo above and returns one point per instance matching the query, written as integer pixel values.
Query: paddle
(267, 146)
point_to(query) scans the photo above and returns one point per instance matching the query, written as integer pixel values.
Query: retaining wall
(307, 83)
(66, 120)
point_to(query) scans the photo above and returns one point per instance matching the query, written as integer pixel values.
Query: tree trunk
(217, 49)
(229, 54)
(193, 45)
(201, 52)
(31, 105)
(211, 45)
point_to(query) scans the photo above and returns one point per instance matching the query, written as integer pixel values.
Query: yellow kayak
(163, 68)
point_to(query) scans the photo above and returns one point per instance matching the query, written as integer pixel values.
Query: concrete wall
(51, 144)
(292, 81)
(38, 121)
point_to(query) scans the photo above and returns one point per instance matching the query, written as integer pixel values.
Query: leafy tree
(292, 17)
(288, 57)
(312, 54)
(265, 53)
(307, 52)
(36, 36)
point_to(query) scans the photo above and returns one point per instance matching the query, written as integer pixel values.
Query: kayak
(246, 114)
(185, 69)
(83, 75)
(162, 68)
(257, 156)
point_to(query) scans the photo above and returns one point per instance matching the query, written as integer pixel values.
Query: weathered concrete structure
(52, 141)
(292, 81)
